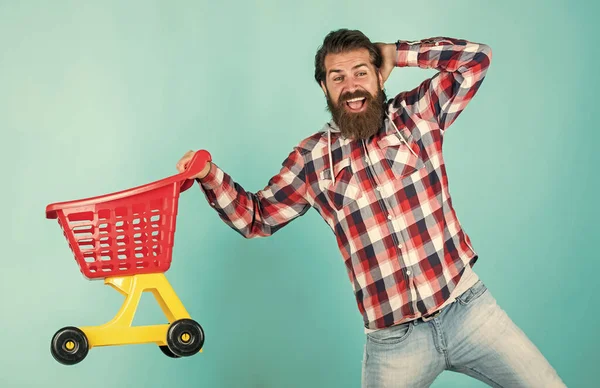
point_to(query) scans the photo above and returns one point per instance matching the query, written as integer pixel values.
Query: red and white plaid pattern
(389, 207)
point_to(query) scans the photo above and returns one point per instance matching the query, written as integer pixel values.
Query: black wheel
(69, 346)
(185, 337)
(167, 352)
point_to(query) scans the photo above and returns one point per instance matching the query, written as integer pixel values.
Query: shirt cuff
(407, 53)
(213, 179)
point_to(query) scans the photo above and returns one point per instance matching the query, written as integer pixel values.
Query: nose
(350, 86)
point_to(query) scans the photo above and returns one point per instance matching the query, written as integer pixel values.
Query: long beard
(361, 125)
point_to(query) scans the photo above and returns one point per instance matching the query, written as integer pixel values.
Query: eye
(361, 73)
(338, 78)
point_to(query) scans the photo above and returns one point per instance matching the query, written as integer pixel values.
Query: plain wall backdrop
(100, 96)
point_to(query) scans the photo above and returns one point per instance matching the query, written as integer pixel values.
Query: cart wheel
(69, 345)
(185, 337)
(167, 352)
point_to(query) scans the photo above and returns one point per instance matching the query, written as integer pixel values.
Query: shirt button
(399, 245)
(378, 188)
(389, 217)
(408, 272)
(212, 204)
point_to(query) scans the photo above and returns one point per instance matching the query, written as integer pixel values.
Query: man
(376, 174)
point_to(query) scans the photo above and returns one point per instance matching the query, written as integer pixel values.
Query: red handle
(193, 168)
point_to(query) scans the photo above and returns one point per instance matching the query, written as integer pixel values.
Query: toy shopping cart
(126, 238)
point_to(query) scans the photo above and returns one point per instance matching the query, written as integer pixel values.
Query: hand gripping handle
(193, 168)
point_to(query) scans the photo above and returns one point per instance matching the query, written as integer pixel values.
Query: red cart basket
(126, 238)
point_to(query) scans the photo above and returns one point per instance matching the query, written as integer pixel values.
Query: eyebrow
(341, 71)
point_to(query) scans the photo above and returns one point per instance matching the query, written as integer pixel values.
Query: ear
(324, 88)
(380, 78)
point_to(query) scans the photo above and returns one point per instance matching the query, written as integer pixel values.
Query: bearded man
(376, 174)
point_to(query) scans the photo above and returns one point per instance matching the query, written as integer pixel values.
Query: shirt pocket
(346, 189)
(399, 156)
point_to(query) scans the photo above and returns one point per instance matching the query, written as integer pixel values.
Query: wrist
(388, 53)
(205, 171)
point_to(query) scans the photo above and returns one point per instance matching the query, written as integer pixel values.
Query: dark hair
(341, 41)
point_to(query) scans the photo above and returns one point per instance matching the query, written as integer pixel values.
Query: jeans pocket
(391, 335)
(472, 294)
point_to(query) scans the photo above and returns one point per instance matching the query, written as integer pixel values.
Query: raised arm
(462, 66)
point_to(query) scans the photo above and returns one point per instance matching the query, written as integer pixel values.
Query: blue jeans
(473, 336)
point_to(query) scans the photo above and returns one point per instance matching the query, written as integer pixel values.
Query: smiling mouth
(356, 104)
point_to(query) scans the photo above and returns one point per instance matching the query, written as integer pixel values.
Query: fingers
(183, 162)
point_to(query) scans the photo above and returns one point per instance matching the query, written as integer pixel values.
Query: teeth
(356, 99)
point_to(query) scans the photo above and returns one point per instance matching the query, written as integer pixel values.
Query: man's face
(353, 88)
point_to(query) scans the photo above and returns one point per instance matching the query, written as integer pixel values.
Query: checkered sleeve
(462, 67)
(263, 213)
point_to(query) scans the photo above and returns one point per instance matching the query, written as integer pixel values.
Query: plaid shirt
(385, 198)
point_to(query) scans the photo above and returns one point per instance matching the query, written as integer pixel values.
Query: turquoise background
(101, 96)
